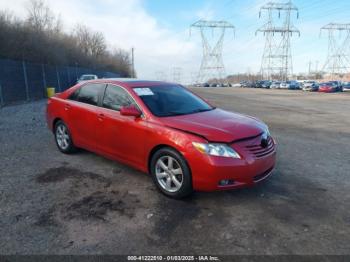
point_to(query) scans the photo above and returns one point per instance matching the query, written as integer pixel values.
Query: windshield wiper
(177, 113)
(201, 110)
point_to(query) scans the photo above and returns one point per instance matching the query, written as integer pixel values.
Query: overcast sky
(159, 30)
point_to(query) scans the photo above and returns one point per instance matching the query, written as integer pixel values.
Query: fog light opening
(226, 182)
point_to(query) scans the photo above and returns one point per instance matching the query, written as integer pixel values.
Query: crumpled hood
(217, 125)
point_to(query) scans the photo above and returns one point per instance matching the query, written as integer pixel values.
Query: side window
(88, 94)
(74, 95)
(116, 97)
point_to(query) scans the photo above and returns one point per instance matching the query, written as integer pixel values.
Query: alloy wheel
(62, 137)
(169, 174)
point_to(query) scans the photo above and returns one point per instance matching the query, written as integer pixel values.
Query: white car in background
(86, 78)
(290, 85)
(275, 84)
(310, 86)
(346, 86)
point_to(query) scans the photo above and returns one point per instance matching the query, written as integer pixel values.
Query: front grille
(258, 150)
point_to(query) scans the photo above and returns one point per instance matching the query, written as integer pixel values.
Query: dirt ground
(52, 203)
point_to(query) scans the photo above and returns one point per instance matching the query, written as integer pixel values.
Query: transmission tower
(338, 59)
(277, 57)
(212, 66)
(177, 74)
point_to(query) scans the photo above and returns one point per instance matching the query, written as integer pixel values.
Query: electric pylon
(277, 57)
(338, 58)
(212, 66)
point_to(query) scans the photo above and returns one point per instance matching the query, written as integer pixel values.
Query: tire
(180, 185)
(63, 138)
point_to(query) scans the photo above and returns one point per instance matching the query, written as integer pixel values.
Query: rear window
(88, 94)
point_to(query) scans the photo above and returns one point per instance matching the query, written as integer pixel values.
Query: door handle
(101, 116)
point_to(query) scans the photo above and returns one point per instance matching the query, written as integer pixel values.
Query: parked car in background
(346, 86)
(275, 85)
(86, 78)
(246, 84)
(265, 84)
(164, 130)
(310, 86)
(236, 85)
(293, 85)
(258, 84)
(252, 84)
(339, 85)
(330, 87)
(242, 83)
(284, 85)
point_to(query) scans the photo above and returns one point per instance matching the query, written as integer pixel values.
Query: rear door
(121, 136)
(82, 112)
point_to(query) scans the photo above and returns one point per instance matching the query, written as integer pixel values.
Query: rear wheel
(171, 173)
(63, 138)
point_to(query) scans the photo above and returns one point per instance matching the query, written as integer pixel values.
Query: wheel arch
(158, 147)
(54, 122)
(153, 151)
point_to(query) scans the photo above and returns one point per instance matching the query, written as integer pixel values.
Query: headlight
(216, 150)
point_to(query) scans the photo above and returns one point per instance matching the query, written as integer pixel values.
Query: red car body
(329, 87)
(133, 140)
(326, 89)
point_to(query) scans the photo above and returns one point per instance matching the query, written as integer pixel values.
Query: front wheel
(63, 138)
(171, 173)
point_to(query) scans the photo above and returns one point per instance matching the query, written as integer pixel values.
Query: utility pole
(277, 56)
(132, 62)
(212, 66)
(338, 59)
(310, 63)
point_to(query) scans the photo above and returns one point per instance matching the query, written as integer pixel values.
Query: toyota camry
(163, 129)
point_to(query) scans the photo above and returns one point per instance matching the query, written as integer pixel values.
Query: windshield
(169, 100)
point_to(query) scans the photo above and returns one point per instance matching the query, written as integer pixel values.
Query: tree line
(39, 37)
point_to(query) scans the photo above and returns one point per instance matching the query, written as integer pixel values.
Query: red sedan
(330, 87)
(163, 129)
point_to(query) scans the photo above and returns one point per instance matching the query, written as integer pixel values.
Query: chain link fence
(22, 81)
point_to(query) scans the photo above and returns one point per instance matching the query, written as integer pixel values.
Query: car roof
(132, 82)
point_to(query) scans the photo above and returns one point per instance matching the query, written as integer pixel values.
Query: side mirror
(130, 111)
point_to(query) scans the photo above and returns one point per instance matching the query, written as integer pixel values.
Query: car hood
(217, 125)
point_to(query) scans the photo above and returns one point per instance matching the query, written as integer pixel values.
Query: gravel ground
(51, 203)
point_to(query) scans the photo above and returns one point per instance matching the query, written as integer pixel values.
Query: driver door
(121, 137)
